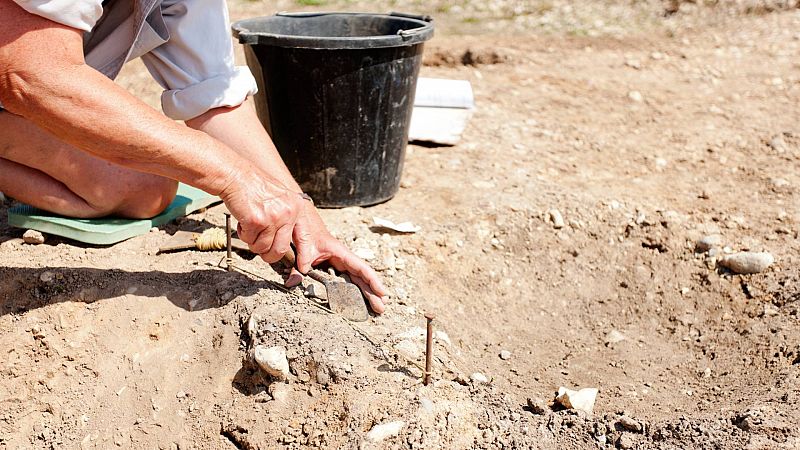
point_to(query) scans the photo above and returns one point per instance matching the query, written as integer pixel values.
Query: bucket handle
(425, 18)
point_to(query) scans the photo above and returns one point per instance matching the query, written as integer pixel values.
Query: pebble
(33, 237)
(365, 253)
(272, 360)
(479, 378)
(280, 391)
(747, 262)
(635, 96)
(556, 218)
(384, 431)
(505, 355)
(630, 424)
(625, 442)
(614, 337)
(581, 400)
(708, 242)
(47, 276)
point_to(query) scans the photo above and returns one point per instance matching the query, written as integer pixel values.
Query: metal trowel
(344, 298)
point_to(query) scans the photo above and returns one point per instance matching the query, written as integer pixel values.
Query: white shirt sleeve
(196, 65)
(80, 14)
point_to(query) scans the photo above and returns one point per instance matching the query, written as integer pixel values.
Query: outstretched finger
(346, 261)
(376, 302)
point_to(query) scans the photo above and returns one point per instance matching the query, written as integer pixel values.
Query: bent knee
(148, 201)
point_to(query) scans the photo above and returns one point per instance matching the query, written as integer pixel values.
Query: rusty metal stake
(229, 255)
(428, 349)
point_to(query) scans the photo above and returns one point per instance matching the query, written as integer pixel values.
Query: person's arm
(240, 129)
(44, 79)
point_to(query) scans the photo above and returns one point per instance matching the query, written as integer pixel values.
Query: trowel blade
(345, 299)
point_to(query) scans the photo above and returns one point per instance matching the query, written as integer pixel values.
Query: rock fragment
(625, 442)
(505, 355)
(33, 237)
(614, 337)
(630, 424)
(280, 391)
(635, 96)
(746, 263)
(479, 378)
(706, 243)
(581, 400)
(272, 360)
(384, 431)
(556, 218)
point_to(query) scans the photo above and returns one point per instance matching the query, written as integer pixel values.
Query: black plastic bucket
(336, 92)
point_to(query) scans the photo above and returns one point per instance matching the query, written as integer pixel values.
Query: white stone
(365, 253)
(505, 355)
(384, 431)
(614, 337)
(47, 276)
(33, 237)
(441, 336)
(272, 360)
(635, 96)
(708, 242)
(410, 348)
(581, 400)
(280, 391)
(556, 217)
(747, 262)
(479, 378)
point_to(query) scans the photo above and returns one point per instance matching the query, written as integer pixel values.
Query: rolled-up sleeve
(80, 14)
(196, 65)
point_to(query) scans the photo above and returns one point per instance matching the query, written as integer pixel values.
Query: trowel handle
(290, 260)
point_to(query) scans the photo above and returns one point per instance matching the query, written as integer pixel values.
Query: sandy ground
(646, 131)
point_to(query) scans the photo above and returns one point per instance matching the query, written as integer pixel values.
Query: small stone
(635, 96)
(556, 218)
(625, 442)
(582, 400)
(441, 336)
(252, 326)
(537, 406)
(614, 337)
(479, 378)
(505, 355)
(630, 424)
(280, 391)
(33, 237)
(747, 262)
(384, 431)
(634, 64)
(272, 360)
(409, 348)
(365, 253)
(47, 276)
(706, 243)
(180, 394)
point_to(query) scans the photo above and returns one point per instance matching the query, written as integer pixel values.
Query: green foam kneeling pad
(108, 230)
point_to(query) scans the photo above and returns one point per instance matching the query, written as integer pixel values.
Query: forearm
(89, 111)
(240, 129)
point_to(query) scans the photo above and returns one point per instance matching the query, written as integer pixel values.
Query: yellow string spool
(211, 239)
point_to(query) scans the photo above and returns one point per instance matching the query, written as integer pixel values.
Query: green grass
(311, 2)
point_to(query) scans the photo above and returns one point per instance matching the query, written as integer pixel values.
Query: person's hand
(267, 214)
(315, 244)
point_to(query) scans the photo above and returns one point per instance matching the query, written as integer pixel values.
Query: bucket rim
(416, 35)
